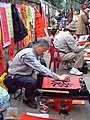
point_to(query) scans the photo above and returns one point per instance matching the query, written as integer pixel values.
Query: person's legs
(79, 60)
(29, 84)
(78, 57)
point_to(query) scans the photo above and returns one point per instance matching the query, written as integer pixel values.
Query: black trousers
(40, 76)
(27, 82)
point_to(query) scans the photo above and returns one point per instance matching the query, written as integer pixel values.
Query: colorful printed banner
(28, 16)
(24, 11)
(32, 16)
(4, 26)
(39, 28)
(28, 24)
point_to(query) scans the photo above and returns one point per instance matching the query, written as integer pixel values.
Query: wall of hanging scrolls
(29, 15)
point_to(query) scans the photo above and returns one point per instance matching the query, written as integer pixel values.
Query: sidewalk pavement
(78, 112)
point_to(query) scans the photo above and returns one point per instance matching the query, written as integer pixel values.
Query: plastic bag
(12, 113)
(4, 97)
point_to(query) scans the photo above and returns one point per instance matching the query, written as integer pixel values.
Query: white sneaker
(75, 71)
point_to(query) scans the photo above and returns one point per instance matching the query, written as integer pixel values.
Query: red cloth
(11, 50)
(28, 117)
(4, 26)
(2, 62)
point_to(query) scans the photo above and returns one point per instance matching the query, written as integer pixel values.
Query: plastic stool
(57, 102)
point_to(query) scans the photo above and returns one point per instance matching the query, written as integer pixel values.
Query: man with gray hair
(69, 50)
(23, 65)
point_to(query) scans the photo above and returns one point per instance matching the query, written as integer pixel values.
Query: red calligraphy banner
(71, 82)
(11, 50)
(4, 26)
(39, 26)
(2, 62)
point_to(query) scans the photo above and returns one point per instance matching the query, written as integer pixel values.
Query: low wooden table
(62, 90)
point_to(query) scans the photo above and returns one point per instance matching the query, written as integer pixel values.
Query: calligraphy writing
(62, 83)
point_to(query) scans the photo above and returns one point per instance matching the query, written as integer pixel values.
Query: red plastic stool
(54, 57)
(57, 103)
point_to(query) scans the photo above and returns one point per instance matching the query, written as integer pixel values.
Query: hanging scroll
(9, 19)
(39, 28)
(4, 26)
(32, 17)
(28, 40)
(2, 62)
(23, 11)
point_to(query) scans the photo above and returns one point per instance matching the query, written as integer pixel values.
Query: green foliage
(57, 3)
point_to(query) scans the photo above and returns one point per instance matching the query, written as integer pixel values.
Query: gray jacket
(83, 23)
(65, 42)
(25, 61)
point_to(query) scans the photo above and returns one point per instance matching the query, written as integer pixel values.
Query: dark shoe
(37, 93)
(1, 116)
(84, 70)
(30, 103)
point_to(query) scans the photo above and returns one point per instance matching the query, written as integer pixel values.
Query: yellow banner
(9, 19)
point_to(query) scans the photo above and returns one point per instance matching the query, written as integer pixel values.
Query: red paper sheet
(55, 84)
(28, 117)
(2, 62)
